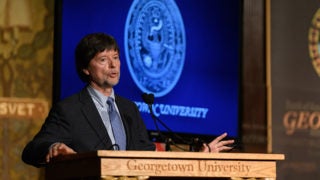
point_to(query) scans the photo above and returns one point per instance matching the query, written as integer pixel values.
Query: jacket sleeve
(55, 129)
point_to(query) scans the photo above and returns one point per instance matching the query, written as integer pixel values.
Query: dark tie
(116, 124)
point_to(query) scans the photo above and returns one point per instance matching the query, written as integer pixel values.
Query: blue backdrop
(210, 78)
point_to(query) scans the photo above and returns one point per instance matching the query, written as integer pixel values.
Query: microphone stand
(155, 119)
(194, 145)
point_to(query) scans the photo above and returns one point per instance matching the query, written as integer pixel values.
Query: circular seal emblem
(314, 44)
(155, 45)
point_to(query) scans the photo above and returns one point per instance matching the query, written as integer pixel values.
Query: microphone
(148, 98)
(195, 144)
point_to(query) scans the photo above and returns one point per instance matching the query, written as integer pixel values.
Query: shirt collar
(98, 96)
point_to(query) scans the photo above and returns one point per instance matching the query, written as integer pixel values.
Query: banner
(295, 86)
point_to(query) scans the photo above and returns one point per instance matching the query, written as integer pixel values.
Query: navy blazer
(76, 122)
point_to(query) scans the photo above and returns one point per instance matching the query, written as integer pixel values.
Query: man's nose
(112, 63)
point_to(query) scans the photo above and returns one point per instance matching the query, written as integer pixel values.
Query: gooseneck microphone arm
(195, 144)
(149, 99)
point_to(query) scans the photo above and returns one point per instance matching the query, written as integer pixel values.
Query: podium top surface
(163, 164)
(175, 155)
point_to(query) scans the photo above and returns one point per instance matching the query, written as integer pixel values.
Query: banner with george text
(295, 86)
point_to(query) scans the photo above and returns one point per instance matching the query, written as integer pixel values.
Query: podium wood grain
(163, 164)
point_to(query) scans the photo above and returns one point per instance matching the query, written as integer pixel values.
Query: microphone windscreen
(148, 98)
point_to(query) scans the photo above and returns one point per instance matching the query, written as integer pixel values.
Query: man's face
(104, 69)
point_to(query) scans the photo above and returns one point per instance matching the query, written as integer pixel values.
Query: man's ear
(85, 71)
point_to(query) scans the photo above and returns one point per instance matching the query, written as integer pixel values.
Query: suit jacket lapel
(92, 115)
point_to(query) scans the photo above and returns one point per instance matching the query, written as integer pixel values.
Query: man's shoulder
(122, 98)
(81, 96)
(124, 101)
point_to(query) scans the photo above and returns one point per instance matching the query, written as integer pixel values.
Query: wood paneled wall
(253, 77)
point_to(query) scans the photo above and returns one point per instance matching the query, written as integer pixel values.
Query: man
(83, 122)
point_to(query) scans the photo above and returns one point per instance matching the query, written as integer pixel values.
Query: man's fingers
(225, 148)
(58, 149)
(48, 158)
(219, 138)
(64, 149)
(227, 142)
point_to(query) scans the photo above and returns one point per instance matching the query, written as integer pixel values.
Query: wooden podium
(152, 164)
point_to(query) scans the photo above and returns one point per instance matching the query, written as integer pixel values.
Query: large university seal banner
(295, 82)
(155, 45)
